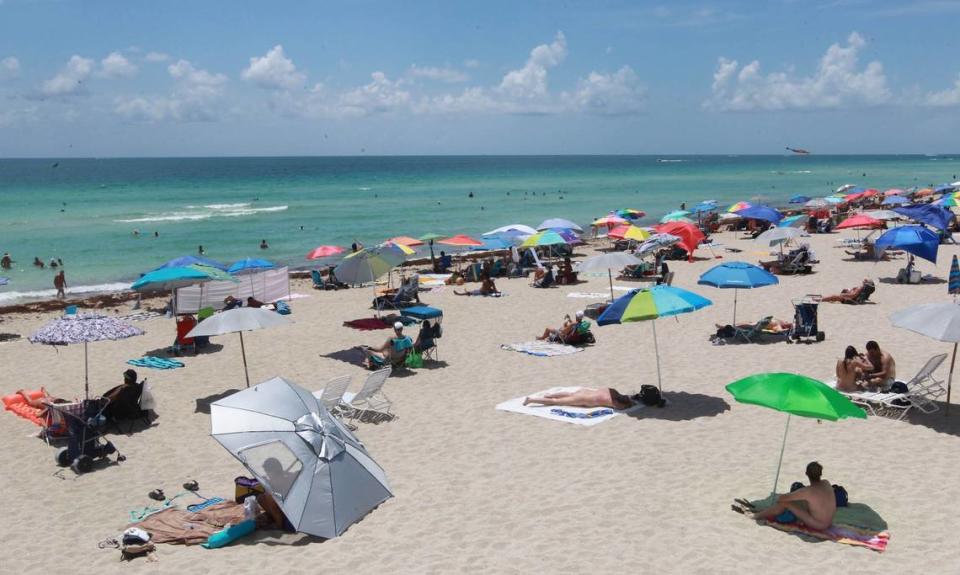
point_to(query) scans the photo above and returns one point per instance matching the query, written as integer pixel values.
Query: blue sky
(137, 78)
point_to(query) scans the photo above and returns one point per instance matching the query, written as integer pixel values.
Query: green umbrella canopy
(794, 394)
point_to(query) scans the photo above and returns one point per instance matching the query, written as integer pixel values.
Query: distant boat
(800, 151)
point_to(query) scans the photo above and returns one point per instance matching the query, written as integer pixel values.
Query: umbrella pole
(610, 275)
(953, 361)
(243, 352)
(780, 461)
(656, 350)
(86, 374)
(735, 291)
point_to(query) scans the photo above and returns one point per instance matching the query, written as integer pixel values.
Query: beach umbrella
(249, 266)
(883, 215)
(777, 236)
(629, 232)
(430, 238)
(895, 201)
(239, 320)
(943, 189)
(894, 192)
(939, 321)
(650, 304)
(844, 188)
(493, 243)
(320, 475)
(859, 221)
(739, 206)
(168, 279)
(923, 192)
(817, 203)
(544, 238)
(765, 213)
(406, 241)
(689, 234)
(916, 240)
(795, 395)
(324, 252)
(675, 215)
(630, 213)
(400, 249)
(559, 223)
(84, 328)
(184, 261)
(365, 265)
(569, 236)
(833, 200)
(656, 242)
(460, 240)
(953, 285)
(704, 207)
(798, 221)
(800, 199)
(933, 215)
(737, 276)
(609, 221)
(512, 229)
(609, 262)
(948, 201)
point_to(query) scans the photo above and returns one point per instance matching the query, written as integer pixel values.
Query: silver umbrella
(608, 262)
(84, 328)
(939, 321)
(316, 470)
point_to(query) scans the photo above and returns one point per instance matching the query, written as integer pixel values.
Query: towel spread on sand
(856, 524)
(433, 280)
(367, 324)
(176, 526)
(155, 362)
(588, 295)
(546, 411)
(141, 315)
(541, 348)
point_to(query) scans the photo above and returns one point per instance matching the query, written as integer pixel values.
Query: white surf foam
(9, 297)
(212, 211)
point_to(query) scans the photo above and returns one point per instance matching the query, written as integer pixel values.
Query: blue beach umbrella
(916, 240)
(249, 265)
(493, 243)
(651, 303)
(935, 216)
(793, 221)
(800, 199)
(184, 261)
(943, 189)
(704, 207)
(737, 276)
(176, 277)
(765, 213)
(953, 285)
(895, 201)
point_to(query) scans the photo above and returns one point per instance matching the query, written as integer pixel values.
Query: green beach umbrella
(544, 238)
(675, 215)
(796, 395)
(429, 238)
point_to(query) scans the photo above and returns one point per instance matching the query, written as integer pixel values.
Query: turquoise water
(84, 211)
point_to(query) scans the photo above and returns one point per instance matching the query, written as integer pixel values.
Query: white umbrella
(817, 203)
(939, 321)
(775, 236)
(316, 470)
(367, 265)
(512, 229)
(656, 242)
(559, 223)
(608, 262)
(883, 215)
(239, 320)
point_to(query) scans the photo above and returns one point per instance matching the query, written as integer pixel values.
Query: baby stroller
(805, 319)
(85, 441)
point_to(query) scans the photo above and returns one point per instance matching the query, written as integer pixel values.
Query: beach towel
(541, 348)
(856, 524)
(586, 416)
(367, 324)
(433, 280)
(176, 526)
(141, 315)
(588, 295)
(155, 362)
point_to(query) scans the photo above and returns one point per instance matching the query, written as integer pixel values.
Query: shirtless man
(814, 505)
(850, 369)
(587, 397)
(884, 369)
(566, 330)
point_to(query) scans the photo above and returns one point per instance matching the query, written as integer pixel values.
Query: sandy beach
(480, 490)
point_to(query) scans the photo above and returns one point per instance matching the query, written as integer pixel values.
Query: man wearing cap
(392, 352)
(568, 329)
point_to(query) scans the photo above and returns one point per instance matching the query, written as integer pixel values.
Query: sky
(361, 77)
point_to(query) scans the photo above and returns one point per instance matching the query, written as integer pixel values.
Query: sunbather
(814, 506)
(775, 326)
(425, 337)
(40, 402)
(487, 287)
(393, 349)
(124, 399)
(850, 369)
(850, 295)
(588, 397)
(568, 328)
(883, 369)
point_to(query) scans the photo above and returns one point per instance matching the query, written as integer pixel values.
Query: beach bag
(650, 395)
(726, 331)
(413, 360)
(245, 487)
(841, 494)
(282, 308)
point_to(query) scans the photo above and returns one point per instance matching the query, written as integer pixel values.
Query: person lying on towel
(486, 288)
(587, 397)
(814, 505)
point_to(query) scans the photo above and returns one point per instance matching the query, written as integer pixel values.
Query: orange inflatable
(19, 406)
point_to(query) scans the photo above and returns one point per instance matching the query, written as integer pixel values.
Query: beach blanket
(541, 348)
(141, 315)
(155, 362)
(588, 295)
(433, 280)
(585, 416)
(177, 526)
(856, 524)
(367, 324)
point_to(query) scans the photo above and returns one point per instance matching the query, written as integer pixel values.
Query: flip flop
(192, 485)
(157, 495)
(739, 509)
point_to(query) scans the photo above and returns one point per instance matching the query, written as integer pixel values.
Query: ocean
(86, 211)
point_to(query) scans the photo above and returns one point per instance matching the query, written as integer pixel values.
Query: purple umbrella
(83, 329)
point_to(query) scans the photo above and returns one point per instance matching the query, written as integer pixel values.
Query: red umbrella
(859, 221)
(324, 252)
(406, 241)
(689, 234)
(460, 240)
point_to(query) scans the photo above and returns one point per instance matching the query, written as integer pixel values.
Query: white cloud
(196, 97)
(613, 94)
(156, 57)
(447, 75)
(9, 68)
(530, 81)
(948, 97)
(116, 65)
(838, 82)
(70, 79)
(274, 71)
(379, 96)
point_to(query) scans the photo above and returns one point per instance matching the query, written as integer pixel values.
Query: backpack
(650, 395)
(841, 494)
(726, 331)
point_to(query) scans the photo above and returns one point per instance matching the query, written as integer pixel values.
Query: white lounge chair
(332, 394)
(370, 398)
(922, 390)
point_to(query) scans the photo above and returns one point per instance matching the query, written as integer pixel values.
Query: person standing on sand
(60, 282)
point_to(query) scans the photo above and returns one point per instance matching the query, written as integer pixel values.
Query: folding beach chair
(370, 398)
(330, 396)
(922, 390)
(435, 315)
(753, 332)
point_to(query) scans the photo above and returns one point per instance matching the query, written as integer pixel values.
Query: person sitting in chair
(543, 277)
(392, 352)
(424, 338)
(850, 369)
(566, 276)
(567, 330)
(444, 263)
(124, 399)
(588, 397)
(852, 295)
(883, 369)
(231, 302)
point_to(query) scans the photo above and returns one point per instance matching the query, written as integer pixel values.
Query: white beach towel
(516, 406)
(433, 280)
(588, 295)
(541, 348)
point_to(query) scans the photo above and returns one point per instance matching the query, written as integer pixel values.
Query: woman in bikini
(850, 369)
(587, 397)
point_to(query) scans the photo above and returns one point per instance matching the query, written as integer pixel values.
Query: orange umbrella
(460, 240)
(689, 234)
(324, 252)
(406, 241)
(923, 192)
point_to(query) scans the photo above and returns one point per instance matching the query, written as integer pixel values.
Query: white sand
(478, 490)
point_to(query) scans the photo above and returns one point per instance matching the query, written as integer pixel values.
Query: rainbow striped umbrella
(544, 238)
(739, 206)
